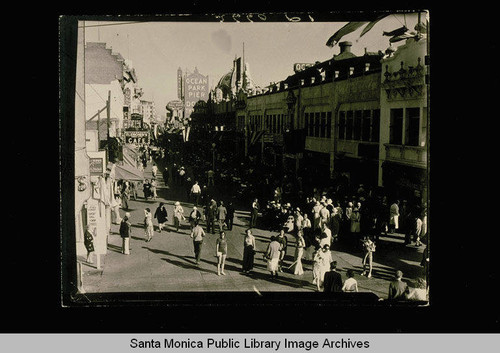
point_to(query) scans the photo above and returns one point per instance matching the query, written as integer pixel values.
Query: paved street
(166, 264)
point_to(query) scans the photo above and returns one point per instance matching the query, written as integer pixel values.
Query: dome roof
(225, 81)
(225, 84)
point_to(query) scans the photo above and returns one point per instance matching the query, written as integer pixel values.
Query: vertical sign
(196, 89)
(179, 83)
(96, 220)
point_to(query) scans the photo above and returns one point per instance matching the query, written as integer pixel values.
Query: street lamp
(213, 156)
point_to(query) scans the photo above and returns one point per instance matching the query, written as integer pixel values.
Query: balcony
(410, 155)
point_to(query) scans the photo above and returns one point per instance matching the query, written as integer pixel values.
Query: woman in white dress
(299, 252)
(322, 260)
(148, 224)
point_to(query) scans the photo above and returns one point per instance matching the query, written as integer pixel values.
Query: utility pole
(108, 112)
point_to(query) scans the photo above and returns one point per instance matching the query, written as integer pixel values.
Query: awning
(127, 172)
(130, 156)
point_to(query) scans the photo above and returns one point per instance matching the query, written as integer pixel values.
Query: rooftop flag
(396, 32)
(348, 28)
(371, 24)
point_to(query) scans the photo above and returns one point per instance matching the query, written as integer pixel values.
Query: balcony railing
(414, 155)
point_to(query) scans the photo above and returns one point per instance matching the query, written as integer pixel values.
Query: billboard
(298, 67)
(195, 89)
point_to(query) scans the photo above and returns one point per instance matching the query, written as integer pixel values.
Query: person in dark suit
(398, 290)
(333, 280)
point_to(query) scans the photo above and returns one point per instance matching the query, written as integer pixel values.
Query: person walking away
(153, 185)
(210, 175)
(133, 190)
(210, 214)
(332, 282)
(326, 261)
(326, 236)
(194, 217)
(196, 192)
(298, 219)
(148, 225)
(350, 284)
(254, 213)
(316, 215)
(335, 224)
(317, 261)
(146, 188)
(248, 251)
(125, 195)
(230, 216)
(182, 174)
(394, 217)
(178, 215)
(115, 208)
(355, 225)
(299, 252)
(398, 289)
(165, 175)
(347, 218)
(221, 253)
(307, 230)
(324, 215)
(417, 230)
(197, 234)
(154, 170)
(273, 256)
(221, 215)
(88, 241)
(283, 240)
(161, 216)
(125, 230)
(368, 249)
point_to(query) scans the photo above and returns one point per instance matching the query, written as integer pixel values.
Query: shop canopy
(130, 155)
(127, 172)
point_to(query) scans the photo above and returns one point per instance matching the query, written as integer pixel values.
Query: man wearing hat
(125, 229)
(324, 214)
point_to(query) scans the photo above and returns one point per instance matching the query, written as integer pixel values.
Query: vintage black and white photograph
(267, 155)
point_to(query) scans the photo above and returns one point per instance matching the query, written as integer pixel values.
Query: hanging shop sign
(136, 137)
(96, 166)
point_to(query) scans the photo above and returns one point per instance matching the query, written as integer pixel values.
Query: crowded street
(314, 183)
(167, 262)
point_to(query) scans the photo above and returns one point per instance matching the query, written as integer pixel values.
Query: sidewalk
(166, 264)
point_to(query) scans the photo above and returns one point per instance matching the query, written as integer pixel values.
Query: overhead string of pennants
(396, 35)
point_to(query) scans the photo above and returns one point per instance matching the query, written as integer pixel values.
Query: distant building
(148, 111)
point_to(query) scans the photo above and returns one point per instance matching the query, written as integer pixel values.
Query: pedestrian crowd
(315, 222)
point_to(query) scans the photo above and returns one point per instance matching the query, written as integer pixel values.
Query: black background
(465, 253)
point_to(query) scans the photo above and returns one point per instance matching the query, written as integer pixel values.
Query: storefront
(405, 183)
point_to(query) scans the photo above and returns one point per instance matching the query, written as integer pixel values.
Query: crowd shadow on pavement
(188, 265)
(115, 248)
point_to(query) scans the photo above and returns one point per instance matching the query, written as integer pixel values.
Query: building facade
(404, 115)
